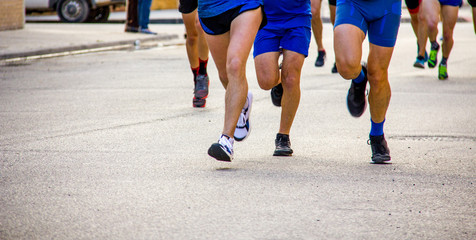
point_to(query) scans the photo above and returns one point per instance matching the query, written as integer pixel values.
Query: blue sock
(376, 128)
(360, 78)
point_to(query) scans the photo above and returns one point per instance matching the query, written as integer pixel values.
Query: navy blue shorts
(380, 18)
(455, 3)
(187, 6)
(221, 23)
(271, 40)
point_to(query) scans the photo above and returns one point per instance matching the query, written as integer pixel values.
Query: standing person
(448, 10)
(144, 14)
(317, 31)
(132, 21)
(381, 19)
(473, 8)
(288, 30)
(230, 28)
(197, 51)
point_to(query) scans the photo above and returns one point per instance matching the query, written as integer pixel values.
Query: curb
(82, 47)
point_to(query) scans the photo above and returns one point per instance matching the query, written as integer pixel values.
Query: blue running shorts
(380, 18)
(455, 3)
(271, 40)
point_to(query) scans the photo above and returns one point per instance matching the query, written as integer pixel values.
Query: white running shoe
(242, 129)
(223, 150)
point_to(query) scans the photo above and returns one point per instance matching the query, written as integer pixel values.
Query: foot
(334, 69)
(419, 62)
(442, 72)
(223, 150)
(380, 151)
(242, 129)
(277, 95)
(200, 92)
(321, 58)
(283, 145)
(131, 29)
(433, 58)
(356, 102)
(147, 31)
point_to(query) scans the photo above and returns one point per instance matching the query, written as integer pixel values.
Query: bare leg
(474, 19)
(192, 38)
(291, 78)
(377, 74)
(316, 23)
(230, 52)
(348, 50)
(449, 15)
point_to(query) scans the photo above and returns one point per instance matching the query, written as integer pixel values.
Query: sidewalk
(45, 35)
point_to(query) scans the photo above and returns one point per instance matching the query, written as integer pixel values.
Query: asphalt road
(107, 146)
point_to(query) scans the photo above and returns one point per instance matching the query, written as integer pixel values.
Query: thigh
(449, 16)
(243, 31)
(218, 45)
(267, 69)
(348, 41)
(189, 20)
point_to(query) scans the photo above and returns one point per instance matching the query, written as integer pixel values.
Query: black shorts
(472, 3)
(187, 6)
(333, 2)
(221, 23)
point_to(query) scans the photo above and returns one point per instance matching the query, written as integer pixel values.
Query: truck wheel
(74, 11)
(99, 14)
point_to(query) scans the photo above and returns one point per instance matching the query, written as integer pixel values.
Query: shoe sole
(199, 103)
(217, 152)
(282, 153)
(419, 65)
(381, 159)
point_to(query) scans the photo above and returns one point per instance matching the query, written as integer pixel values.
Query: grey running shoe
(380, 151)
(283, 145)
(200, 92)
(356, 102)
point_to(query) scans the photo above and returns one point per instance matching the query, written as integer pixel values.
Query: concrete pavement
(107, 146)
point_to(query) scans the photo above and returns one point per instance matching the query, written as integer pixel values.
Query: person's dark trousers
(132, 23)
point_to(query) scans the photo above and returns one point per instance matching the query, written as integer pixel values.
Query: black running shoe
(380, 151)
(201, 91)
(283, 145)
(321, 58)
(277, 95)
(356, 102)
(334, 69)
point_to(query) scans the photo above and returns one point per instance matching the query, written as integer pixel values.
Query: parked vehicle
(75, 10)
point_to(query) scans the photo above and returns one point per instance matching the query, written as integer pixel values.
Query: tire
(74, 11)
(99, 14)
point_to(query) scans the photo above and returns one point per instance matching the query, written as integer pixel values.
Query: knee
(235, 67)
(290, 83)
(432, 24)
(347, 69)
(447, 36)
(192, 39)
(378, 81)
